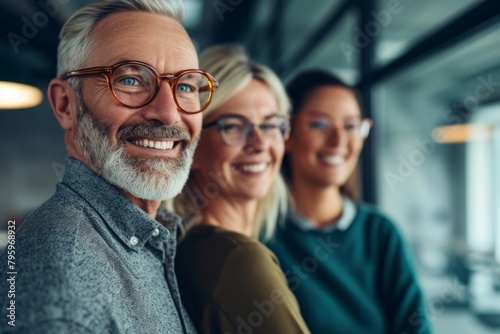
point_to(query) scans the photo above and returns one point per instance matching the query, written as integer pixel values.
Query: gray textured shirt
(90, 261)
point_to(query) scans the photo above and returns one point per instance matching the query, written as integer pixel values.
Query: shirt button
(134, 241)
(156, 232)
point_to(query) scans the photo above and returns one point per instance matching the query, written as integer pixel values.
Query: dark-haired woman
(346, 262)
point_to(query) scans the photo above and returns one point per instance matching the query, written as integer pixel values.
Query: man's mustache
(154, 131)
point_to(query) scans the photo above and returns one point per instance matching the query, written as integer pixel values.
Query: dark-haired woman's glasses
(357, 127)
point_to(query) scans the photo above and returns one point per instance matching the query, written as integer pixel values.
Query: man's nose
(163, 108)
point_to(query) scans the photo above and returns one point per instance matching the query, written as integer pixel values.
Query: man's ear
(62, 101)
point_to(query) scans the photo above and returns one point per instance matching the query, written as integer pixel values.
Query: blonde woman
(229, 282)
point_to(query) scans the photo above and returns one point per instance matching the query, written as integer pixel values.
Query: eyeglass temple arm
(86, 71)
(364, 128)
(207, 88)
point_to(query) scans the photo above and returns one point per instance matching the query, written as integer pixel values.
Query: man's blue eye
(183, 88)
(320, 125)
(129, 81)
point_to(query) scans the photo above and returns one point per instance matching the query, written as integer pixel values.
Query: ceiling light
(16, 96)
(461, 133)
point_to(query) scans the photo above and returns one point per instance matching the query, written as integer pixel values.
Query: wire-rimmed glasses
(236, 129)
(357, 127)
(134, 84)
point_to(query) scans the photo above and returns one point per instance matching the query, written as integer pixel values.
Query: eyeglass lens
(236, 130)
(134, 84)
(358, 127)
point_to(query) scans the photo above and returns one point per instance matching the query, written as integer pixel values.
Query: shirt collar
(132, 225)
(342, 224)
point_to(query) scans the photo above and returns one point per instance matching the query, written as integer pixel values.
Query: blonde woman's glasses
(236, 129)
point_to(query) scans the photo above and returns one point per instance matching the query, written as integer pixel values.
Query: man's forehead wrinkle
(114, 36)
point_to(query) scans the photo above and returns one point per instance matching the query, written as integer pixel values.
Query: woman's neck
(233, 215)
(320, 204)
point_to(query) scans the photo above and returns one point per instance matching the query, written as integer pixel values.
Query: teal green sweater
(359, 280)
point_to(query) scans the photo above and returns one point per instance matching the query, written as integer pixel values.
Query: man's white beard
(156, 178)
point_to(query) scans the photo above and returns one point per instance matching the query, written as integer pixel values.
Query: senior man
(98, 256)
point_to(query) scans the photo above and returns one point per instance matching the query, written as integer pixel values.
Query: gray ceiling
(29, 55)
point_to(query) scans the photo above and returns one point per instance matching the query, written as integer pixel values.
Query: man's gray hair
(75, 42)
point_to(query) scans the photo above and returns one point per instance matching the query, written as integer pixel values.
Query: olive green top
(231, 283)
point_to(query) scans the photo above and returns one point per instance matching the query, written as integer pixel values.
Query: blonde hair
(234, 70)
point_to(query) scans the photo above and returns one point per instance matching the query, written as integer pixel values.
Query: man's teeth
(254, 168)
(334, 159)
(159, 145)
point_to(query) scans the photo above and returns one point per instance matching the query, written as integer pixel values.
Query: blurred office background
(429, 75)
